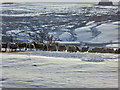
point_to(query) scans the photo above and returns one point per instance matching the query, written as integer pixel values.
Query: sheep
(97, 50)
(84, 49)
(109, 50)
(5, 46)
(102, 50)
(0, 47)
(39, 46)
(45, 47)
(30, 46)
(61, 48)
(71, 48)
(77, 49)
(51, 47)
(22, 45)
(13, 46)
(117, 51)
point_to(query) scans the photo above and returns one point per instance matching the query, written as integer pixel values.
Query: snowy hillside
(105, 32)
(91, 33)
(81, 22)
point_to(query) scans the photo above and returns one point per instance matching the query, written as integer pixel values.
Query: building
(105, 3)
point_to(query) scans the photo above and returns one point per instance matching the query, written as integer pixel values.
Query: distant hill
(8, 3)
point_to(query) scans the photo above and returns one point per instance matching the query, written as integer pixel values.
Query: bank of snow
(59, 70)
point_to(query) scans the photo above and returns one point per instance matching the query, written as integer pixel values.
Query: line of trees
(42, 36)
(38, 37)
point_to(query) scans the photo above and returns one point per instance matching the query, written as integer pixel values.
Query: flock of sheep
(53, 47)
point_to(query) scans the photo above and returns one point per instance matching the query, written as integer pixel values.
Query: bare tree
(50, 39)
(38, 37)
(11, 38)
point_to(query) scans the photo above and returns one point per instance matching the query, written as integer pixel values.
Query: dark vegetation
(53, 47)
(8, 3)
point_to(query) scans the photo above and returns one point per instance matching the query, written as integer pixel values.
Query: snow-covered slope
(101, 32)
(65, 21)
(108, 33)
(98, 32)
(66, 36)
(94, 32)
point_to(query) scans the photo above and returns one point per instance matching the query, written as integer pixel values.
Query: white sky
(54, 0)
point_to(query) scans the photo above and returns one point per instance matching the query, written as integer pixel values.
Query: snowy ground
(67, 22)
(42, 69)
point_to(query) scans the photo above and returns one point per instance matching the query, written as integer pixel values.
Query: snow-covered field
(84, 23)
(33, 69)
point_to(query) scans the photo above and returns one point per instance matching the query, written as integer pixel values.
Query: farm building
(105, 3)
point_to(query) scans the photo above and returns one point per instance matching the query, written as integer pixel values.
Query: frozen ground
(76, 22)
(33, 69)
